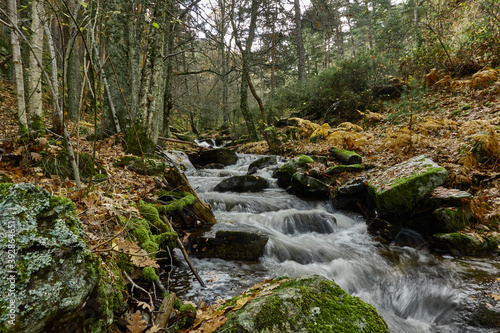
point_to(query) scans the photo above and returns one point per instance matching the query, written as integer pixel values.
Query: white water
(413, 290)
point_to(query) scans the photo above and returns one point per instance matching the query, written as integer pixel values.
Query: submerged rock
(306, 186)
(233, 245)
(245, 183)
(262, 163)
(304, 304)
(50, 272)
(398, 190)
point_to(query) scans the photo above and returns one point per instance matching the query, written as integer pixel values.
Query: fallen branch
(135, 285)
(166, 308)
(184, 253)
(182, 142)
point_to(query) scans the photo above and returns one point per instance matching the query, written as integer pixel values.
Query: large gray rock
(48, 271)
(399, 189)
(304, 304)
(307, 186)
(220, 156)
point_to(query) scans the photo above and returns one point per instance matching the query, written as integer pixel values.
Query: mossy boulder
(307, 186)
(146, 166)
(285, 173)
(465, 244)
(262, 163)
(346, 156)
(305, 304)
(232, 245)
(451, 219)
(246, 183)
(398, 190)
(50, 273)
(5, 179)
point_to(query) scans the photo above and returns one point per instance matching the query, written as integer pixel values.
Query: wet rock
(451, 219)
(304, 304)
(349, 195)
(306, 186)
(487, 307)
(180, 159)
(245, 183)
(464, 244)
(286, 171)
(398, 190)
(262, 163)
(215, 166)
(232, 245)
(220, 155)
(50, 271)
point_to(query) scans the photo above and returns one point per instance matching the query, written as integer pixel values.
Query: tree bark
(18, 66)
(72, 68)
(35, 71)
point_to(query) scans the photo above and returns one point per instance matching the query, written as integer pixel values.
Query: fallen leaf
(136, 323)
(496, 297)
(240, 302)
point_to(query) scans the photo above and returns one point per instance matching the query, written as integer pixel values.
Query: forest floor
(444, 123)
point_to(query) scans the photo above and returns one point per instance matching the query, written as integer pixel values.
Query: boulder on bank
(232, 245)
(50, 271)
(399, 189)
(245, 183)
(304, 304)
(465, 244)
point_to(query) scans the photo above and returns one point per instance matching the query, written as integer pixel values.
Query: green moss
(150, 247)
(182, 199)
(304, 159)
(187, 307)
(138, 142)
(146, 166)
(149, 274)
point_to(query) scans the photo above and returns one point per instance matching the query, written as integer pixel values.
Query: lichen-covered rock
(305, 304)
(398, 190)
(49, 271)
(465, 244)
(306, 186)
(286, 171)
(232, 245)
(246, 183)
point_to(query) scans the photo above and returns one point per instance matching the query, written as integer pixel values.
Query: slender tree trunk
(35, 71)
(301, 53)
(72, 69)
(56, 121)
(18, 66)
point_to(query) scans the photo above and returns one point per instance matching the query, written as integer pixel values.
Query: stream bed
(414, 290)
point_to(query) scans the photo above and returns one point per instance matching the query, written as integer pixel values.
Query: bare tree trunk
(18, 66)
(301, 53)
(72, 69)
(35, 71)
(56, 121)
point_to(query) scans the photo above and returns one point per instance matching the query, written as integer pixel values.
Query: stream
(414, 290)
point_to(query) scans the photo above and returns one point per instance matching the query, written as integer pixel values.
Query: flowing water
(414, 290)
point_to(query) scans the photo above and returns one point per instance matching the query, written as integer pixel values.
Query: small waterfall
(414, 290)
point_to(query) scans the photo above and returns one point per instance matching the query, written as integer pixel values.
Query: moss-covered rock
(398, 190)
(285, 173)
(137, 142)
(5, 179)
(451, 219)
(176, 201)
(336, 169)
(222, 156)
(50, 272)
(146, 166)
(262, 163)
(306, 186)
(305, 304)
(464, 244)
